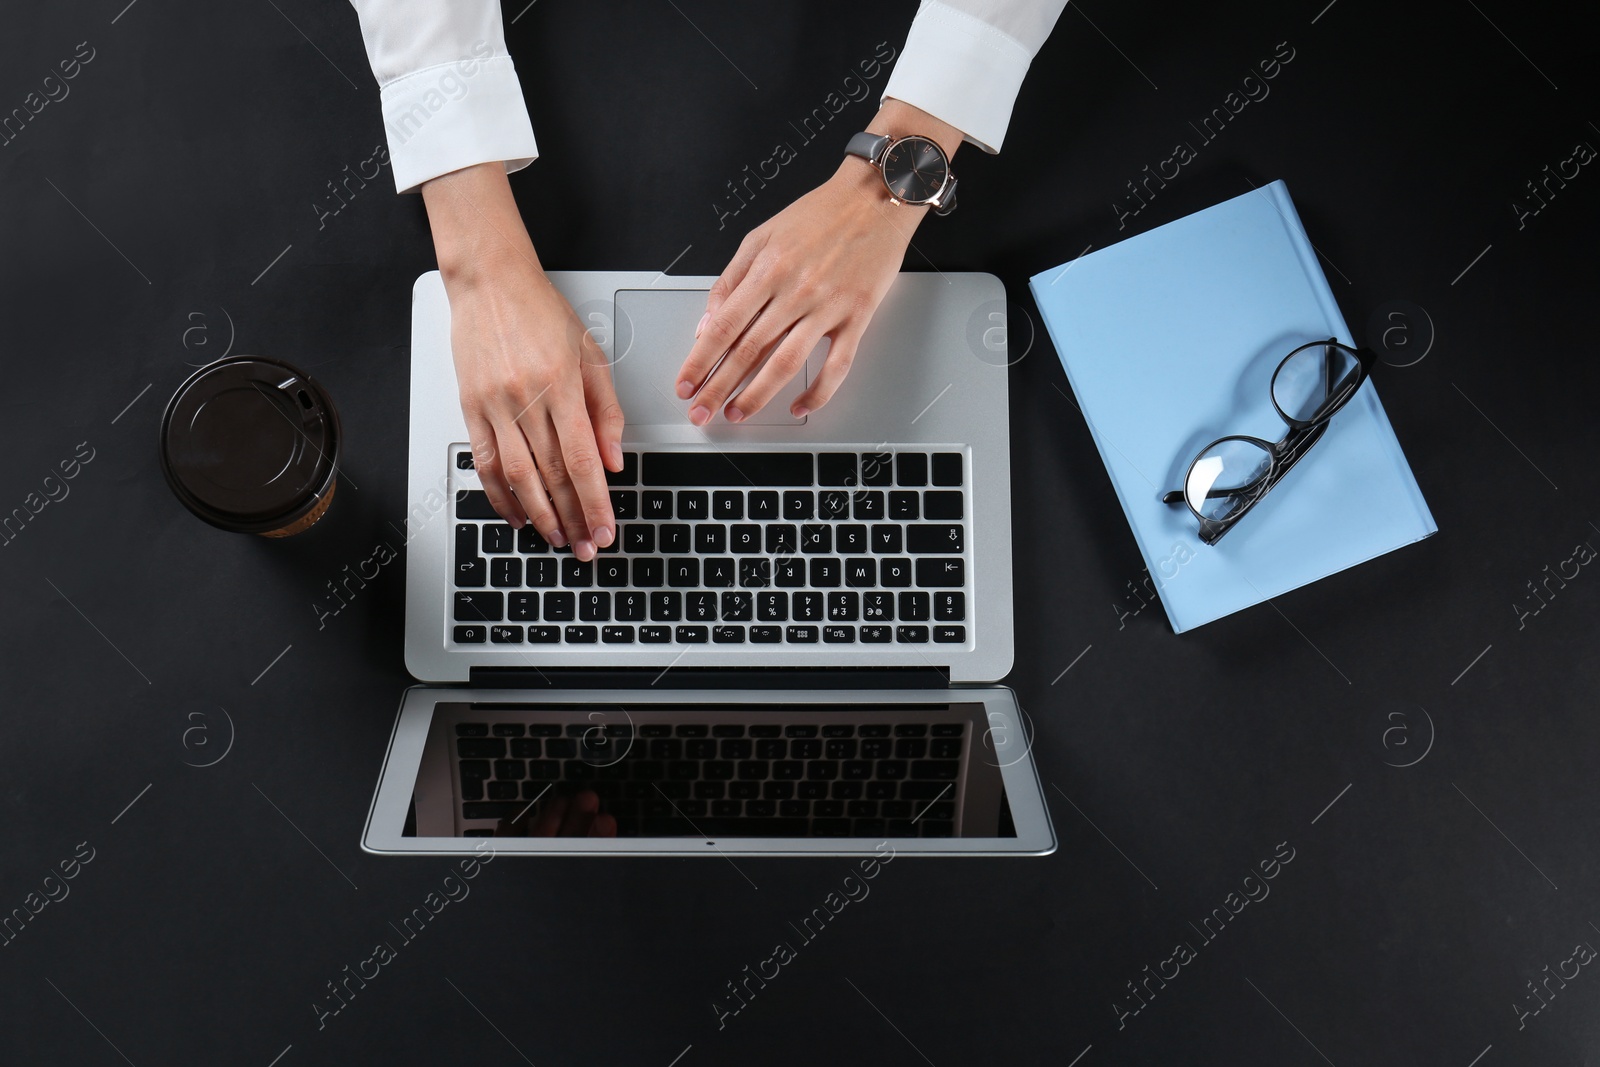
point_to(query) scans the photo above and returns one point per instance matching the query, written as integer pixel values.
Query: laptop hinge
(709, 678)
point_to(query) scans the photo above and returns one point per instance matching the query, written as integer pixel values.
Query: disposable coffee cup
(251, 445)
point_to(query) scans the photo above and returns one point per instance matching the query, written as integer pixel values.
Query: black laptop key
(825, 572)
(582, 635)
(861, 573)
(766, 635)
(710, 538)
(611, 572)
(561, 748)
(941, 505)
(950, 607)
(911, 468)
(544, 635)
(577, 573)
(505, 635)
(877, 468)
(947, 468)
(936, 770)
(909, 748)
(472, 729)
(466, 540)
(807, 607)
(802, 635)
(903, 505)
(932, 539)
(837, 468)
(789, 573)
(933, 572)
(464, 461)
(851, 539)
(560, 607)
(655, 504)
(764, 505)
(540, 573)
(700, 606)
(639, 538)
(772, 607)
(782, 539)
(629, 606)
(844, 607)
(624, 504)
(683, 572)
(890, 770)
(529, 541)
(594, 607)
(728, 635)
(505, 572)
(727, 506)
(876, 635)
(655, 635)
(497, 538)
(693, 504)
(629, 474)
(911, 635)
(666, 607)
(816, 537)
(755, 573)
(799, 504)
(734, 469)
(471, 572)
(474, 504)
(721, 573)
(480, 607)
(877, 748)
(470, 635)
(617, 635)
(950, 635)
(914, 607)
(945, 748)
(745, 538)
(886, 538)
(839, 635)
(480, 748)
(649, 573)
(675, 538)
(895, 573)
(868, 505)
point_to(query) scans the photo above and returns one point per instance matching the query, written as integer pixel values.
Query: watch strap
(947, 201)
(869, 146)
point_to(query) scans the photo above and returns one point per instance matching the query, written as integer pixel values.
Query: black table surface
(1412, 733)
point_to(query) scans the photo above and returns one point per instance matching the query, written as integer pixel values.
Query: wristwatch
(915, 169)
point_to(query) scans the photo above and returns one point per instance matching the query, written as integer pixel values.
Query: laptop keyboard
(745, 548)
(773, 779)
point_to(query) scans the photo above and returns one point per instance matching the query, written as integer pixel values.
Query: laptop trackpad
(654, 332)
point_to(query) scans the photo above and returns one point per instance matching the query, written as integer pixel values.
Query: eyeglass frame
(1303, 433)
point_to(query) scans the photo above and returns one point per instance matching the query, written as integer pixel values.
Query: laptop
(794, 646)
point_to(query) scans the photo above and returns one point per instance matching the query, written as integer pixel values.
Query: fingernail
(602, 535)
(702, 323)
(558, 538)
(699, 414)
(584, 550)
(685, 389)
(616, 454)
(799, 411)
(735, 415)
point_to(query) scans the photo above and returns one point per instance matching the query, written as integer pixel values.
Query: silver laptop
(792, 648)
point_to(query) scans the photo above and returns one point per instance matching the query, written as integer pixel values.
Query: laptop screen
(712, 771)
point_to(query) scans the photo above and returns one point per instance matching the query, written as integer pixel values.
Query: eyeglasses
(1232, 474)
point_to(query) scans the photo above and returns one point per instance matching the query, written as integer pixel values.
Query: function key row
(714, 572)
(758, 505)
(689, 634)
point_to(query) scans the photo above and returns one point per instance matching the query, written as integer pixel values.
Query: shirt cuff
(454, 115)
(962, 71)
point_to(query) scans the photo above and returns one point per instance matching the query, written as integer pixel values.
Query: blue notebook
(1169, 340)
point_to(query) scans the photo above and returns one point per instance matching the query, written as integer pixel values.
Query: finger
(546, 443)
(518, 468)
(549, 820)
(581, 454)
(720, 334)
(580, 814)
(841, 354)
(784, 363)
(604, 825)
(605, 414)
(763, 335)
(486, 461)
(702, 358)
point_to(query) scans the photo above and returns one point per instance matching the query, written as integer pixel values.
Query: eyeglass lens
(1226, 477)
(1314, 380)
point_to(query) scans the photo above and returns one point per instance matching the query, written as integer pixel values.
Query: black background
(192, 150)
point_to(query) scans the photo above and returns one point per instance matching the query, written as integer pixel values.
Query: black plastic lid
(250, 444)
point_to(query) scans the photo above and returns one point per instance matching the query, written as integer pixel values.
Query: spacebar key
(728, 468)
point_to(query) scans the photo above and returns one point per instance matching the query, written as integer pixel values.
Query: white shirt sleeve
(450, 92)
(964, 61)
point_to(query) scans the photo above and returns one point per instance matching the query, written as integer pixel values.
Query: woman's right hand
(536, 391)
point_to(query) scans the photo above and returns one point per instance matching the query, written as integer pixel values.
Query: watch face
(915, 170)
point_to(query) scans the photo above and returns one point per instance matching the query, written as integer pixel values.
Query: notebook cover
(1169, 340)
